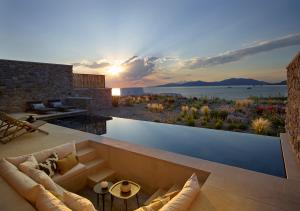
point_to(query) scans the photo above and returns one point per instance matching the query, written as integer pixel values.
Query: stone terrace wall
(293, 106)
(21, 82)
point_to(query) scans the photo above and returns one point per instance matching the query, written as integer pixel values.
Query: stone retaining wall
(101, 97)
(293, 106)
(21, 82)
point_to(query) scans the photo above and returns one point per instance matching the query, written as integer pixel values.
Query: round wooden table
(99, 191)
(115, 191)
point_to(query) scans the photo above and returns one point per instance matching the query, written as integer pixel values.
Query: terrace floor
(227, 187)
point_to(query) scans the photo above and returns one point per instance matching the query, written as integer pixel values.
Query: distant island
(227, 82)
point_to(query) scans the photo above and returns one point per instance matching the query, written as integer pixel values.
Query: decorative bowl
(125, 187)
(104, 185)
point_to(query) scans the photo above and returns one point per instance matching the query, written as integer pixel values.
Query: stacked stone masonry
(21, 82)
(293, 106)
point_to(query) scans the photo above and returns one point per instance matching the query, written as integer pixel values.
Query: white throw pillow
(17, 160)
(183, 200)
(30, 162)
(77, 203)
(46, 201)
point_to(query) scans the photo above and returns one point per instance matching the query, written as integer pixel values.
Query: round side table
(115, 191)
(99, 191)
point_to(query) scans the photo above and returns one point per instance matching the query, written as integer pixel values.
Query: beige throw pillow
(183, 200)
(67, 163)
(46, 201)
(77, 203)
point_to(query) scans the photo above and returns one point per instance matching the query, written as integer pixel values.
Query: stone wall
(101, 98)
(21, 82)
(293, 106)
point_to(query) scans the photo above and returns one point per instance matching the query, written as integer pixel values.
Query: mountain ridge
(226, 82)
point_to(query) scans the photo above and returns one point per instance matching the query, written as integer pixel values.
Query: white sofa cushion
(19, 181)
(79, 168)
(183, 200)
(18, 159)
(46, 201)
(77, 203)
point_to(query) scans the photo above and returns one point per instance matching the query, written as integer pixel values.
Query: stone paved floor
(118, 203)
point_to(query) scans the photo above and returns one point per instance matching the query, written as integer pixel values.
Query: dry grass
(261, 125)
(243, 103)
(155, 107)
(205, 110)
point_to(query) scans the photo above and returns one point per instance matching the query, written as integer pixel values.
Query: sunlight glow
(116, 92)
(115, 69)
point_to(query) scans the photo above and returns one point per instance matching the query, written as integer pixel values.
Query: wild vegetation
(264, 116)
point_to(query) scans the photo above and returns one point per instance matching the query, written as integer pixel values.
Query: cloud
(93, 65)
(231, 56)
(137, 68)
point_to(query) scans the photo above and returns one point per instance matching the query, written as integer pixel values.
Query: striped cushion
(49, 166)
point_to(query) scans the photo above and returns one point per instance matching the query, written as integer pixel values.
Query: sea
(223, 92)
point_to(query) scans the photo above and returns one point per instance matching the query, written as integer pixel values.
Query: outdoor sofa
(20, 191)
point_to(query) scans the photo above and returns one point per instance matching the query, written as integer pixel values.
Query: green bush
(218, 124)
(190, 120)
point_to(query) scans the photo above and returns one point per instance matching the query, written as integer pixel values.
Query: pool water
(253, 152)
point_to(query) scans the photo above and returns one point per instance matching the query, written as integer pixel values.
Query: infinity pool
(248, 151)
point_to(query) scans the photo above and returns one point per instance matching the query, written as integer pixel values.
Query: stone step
(156, 194)
(100, 175)
(86, 154)
(94, 165)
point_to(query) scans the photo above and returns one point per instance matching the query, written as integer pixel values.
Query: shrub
(223, 114)
(243, 103)
(261, 125)
(205, 110)
(218, 124)
(194, 112)
(155, 107)
(190, 121)
(184, 110)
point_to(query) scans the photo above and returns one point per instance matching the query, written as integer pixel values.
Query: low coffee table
(99, 191)
(115, 191)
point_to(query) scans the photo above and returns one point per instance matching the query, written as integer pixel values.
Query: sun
(115, 69)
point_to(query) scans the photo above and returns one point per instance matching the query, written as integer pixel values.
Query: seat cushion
(19, 181)
(183, 200)
(79, 168)
(11, 200)
(77, 203)
(46, 201)
(67, 163)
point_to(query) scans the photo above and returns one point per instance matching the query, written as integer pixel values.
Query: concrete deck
(227, 187)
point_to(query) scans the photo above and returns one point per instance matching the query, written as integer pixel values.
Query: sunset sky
(145, 43)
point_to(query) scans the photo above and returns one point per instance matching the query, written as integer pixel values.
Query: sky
(146, 43)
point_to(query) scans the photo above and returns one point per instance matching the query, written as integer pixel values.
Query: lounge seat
(11, 127)
(59, 106)
(39, 107)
